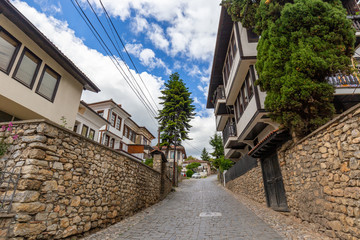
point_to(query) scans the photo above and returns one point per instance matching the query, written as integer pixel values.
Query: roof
(92, 110)
(110, 101)
(222, 42)
(119, 106)
(159, 152)
(196, 160)
(270, 143)
(40, 39)
(172, 147)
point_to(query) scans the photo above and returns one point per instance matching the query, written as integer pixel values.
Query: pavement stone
(178, 217)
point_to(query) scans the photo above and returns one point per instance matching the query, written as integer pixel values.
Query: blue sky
(161, 36)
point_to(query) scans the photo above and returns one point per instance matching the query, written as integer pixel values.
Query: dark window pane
(48, 83)
(27, 68)
(7, 49)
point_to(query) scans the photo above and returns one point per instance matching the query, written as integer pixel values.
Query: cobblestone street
(199, 209)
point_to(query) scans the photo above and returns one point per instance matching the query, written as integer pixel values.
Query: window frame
(112, 143)
(107, 140)
(42, 78)
(111, 118)
(93, 134)
(116, 124)
(17, 48)
(18, 66)
(101, 113)
(82, 129)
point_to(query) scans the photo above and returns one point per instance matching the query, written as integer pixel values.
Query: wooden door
(273, 183)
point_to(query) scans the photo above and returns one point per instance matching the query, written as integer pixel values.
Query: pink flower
(15, 137)
(10, 124)
(9, 129)
(3, 127)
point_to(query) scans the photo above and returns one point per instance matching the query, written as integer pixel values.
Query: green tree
(190, 158)
(205, 155)
(175, 116)
(193, 166)
(243, 11)
(302, 43)
(310, 41)
(224, 164)
(217, 143)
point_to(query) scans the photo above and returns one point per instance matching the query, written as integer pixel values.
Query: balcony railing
(353, 10)
(229, 131)
(219, 93)
(341, 80)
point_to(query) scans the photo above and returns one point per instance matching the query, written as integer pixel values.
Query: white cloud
(146, 57)
(200, 137)
(103, 73)
(191, 26)
(97, 67)
(48, 7)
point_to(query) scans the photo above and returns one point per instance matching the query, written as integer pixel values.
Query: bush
(193, 165)
(149, 162)
(189, 173)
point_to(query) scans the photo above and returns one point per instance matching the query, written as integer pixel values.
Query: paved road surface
(199, 209)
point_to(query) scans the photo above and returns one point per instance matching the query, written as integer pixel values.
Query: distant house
(180, 153)
(204, 167)
(122, 133)
(88, 122)
(37, 79)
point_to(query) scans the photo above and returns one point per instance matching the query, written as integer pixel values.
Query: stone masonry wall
(250, 184)
(70, 184)
(322, 176)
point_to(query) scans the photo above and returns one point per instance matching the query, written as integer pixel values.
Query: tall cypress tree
(174, 119)
(205, 155)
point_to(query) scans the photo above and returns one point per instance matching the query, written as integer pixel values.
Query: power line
(118, 51)
(109, 18)
(111, 56)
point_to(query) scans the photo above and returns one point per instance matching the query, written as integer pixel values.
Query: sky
(161, 36)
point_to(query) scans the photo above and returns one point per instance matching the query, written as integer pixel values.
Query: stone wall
(250, 184)
(70, 184)
(322, 176)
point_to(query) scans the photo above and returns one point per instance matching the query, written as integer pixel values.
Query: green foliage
(189, 173)
(193, 165)
(311, 40)
(224, 164)
(242, 11)
(205, 155)
(302, 42)
(149, 162)
(177, 112)
(217, 144)
(3, 147)
(179, 168)
(190, 158)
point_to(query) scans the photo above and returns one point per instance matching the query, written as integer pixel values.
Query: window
(178, 155)
(9, 46)
(75, 128)
(48, 84)
(27, 68)
(249, 86)
(112, 143)
(91, 134)
(113, 119)
(101, 113)
(126, 131)
(252, 37)
(172, 154)
(244, 96)
(84, 130)
(107, 138)
(118, 123)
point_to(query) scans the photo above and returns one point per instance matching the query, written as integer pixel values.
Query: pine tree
(205, 155)
(174, 119)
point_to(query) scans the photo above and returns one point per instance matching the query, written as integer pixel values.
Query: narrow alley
(199, 209)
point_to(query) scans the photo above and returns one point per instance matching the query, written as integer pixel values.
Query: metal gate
(245, 164)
